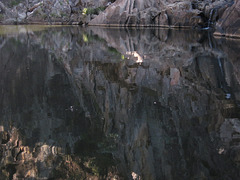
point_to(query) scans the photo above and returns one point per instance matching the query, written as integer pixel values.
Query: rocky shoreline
(219, 15)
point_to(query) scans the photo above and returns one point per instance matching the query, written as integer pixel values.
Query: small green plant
(90, 11)
(1, 16)
(44, 16)
(14, 3)
(84, 12)
(100, 164)
(53, 15)
(113, 50)
(85, 38)
(63, 14)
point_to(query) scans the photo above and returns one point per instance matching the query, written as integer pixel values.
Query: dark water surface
(118, 104)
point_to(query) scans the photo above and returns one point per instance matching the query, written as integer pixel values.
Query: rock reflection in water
(119, 103)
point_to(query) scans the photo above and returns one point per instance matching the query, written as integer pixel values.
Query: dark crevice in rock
(11, 168)
(5, 137)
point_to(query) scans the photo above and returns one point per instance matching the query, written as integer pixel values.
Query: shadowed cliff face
(119, 103)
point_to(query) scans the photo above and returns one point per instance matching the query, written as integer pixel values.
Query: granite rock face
(195, 14)
(168, 13)
(47, 12)
(229, 24)
(161, 13)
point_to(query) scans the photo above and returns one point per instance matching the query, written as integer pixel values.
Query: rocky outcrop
(229, 24)
(165, 13)
(161, 13)
(48, 12)
(194, 14)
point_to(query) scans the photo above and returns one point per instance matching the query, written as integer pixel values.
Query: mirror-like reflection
(119, 104)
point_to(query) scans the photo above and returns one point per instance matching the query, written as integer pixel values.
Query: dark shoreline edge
(218, 34)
